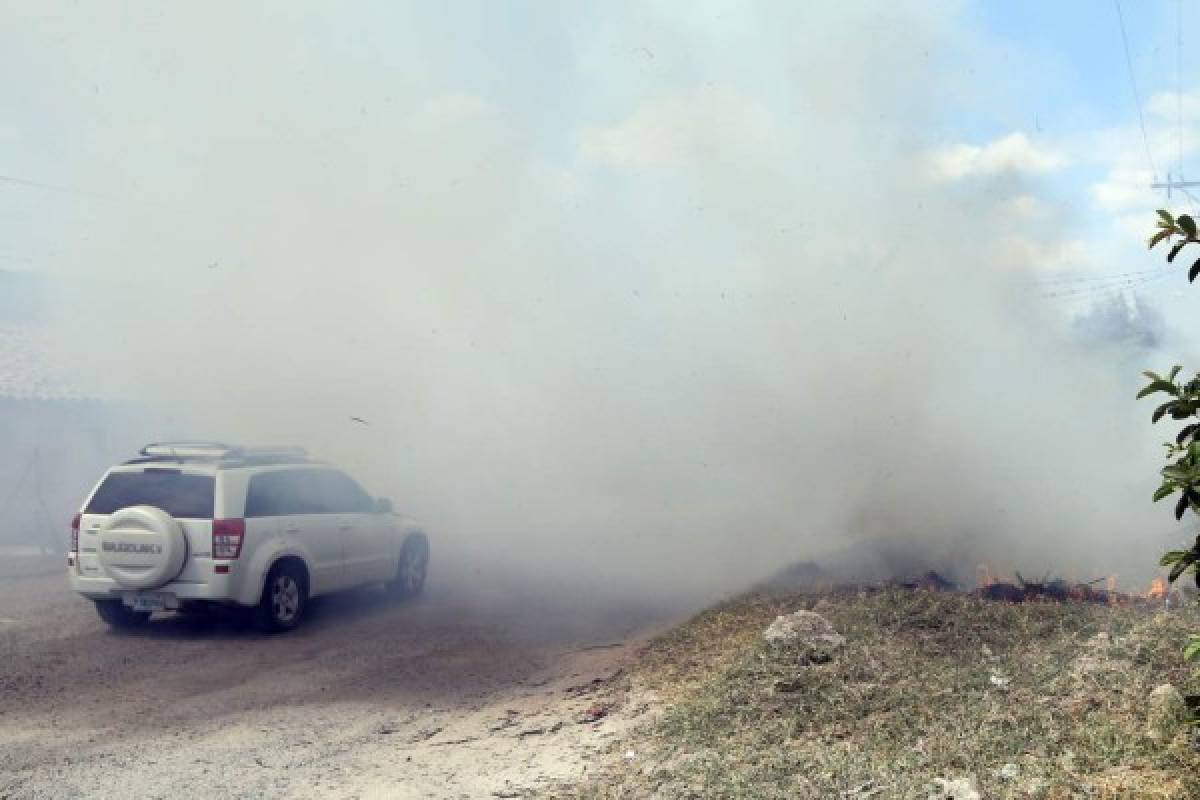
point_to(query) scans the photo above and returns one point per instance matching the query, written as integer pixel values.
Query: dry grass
(929, 686)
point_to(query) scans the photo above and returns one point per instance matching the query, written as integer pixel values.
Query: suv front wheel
(411, 568)
(284, 596)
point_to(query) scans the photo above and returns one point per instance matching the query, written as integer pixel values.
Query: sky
(1049, 78)
(720, 284)
(1068, 91)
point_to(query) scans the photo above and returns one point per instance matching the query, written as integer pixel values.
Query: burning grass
(1035, 700)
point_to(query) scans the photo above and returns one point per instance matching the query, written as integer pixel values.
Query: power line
(1179, 79)
(1195, 204)
(1176, 181)
(34, 184)
(1115, 286)
(1137, 100)
(49, 187)
(1093, 295)
(1098, 291)
(1094, 278)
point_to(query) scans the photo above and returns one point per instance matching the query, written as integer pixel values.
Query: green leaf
(1187, 224)
(1171, 557)
(1164, 490)
(1175, 250)
(1181, 506)
(1185, 433)
(1146, 392)
(1158, 386)
(1154, 376)
(1181, 566)
(1158, 412)
(1194, 271)
(1175, 472)
(1156, 238)
(1175, 370)
(1192, 651)
(1165, 218)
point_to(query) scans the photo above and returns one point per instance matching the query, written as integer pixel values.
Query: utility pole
(1174, 183)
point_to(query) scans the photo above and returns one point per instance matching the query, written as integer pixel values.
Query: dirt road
(470, 692)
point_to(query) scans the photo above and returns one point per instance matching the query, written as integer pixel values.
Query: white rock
(804, 627)
(957, 789)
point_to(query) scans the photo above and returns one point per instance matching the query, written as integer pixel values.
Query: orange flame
(1158, 589)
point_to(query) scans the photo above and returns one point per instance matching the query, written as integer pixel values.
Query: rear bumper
(217, 588)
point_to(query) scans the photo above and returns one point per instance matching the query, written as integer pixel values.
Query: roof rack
(227, 455)
(187, 449)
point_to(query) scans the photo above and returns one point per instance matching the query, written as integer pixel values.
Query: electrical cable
(1137, 100)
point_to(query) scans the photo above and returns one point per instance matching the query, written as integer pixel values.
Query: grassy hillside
(1033, 701)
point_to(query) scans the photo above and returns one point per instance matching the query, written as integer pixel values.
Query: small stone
(804, 627)
(1167, 713)
(957, 789)
(1009, 772)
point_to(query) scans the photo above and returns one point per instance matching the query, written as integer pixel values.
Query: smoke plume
(659, 300)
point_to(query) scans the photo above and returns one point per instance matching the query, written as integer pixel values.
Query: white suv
(193, 523)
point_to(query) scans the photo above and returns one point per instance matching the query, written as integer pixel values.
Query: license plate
(149, 601)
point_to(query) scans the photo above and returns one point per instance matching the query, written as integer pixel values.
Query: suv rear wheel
(284, 596)
(120, 616)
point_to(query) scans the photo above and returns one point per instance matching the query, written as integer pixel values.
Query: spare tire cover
(141, 547)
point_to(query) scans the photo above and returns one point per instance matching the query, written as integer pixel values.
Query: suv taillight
(227, 537)
(75, 533)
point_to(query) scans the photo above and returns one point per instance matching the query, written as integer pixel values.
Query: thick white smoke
(658, 298)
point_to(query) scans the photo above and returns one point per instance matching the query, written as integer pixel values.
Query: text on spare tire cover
(131, 547)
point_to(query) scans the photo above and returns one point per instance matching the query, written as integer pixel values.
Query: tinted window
(180, 495)
(341, 495)
(272, 494)
(305, 491)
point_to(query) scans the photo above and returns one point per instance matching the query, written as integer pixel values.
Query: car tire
(120, 616)
(284, 598)
(411, 568)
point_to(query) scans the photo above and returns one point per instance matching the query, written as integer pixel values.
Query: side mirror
(383, 506)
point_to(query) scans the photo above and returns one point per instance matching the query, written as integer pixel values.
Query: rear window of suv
(179, 494)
